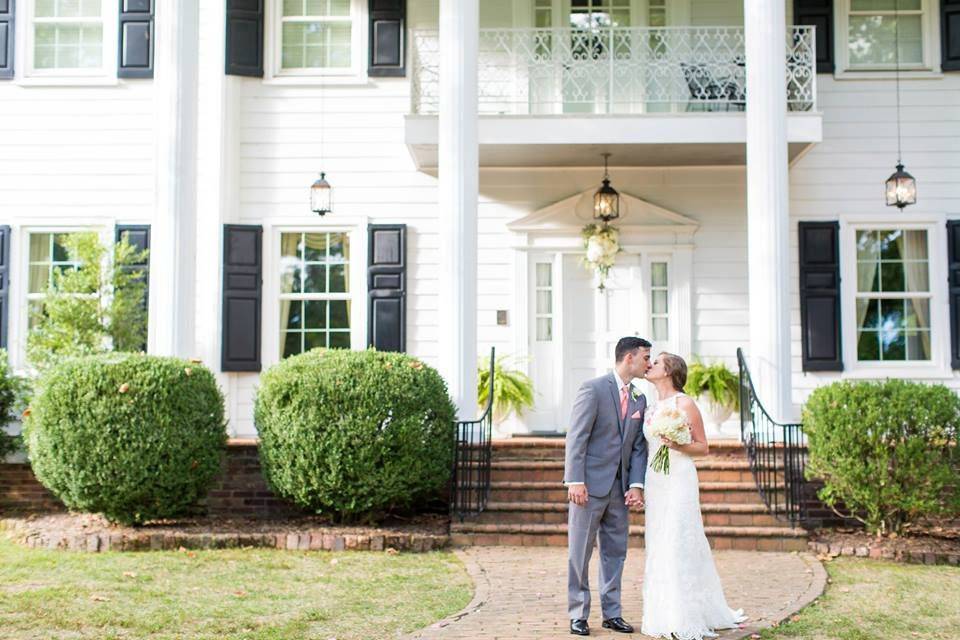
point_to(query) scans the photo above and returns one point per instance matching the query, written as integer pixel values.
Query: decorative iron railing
(470, 485)
(531, 71)
(777, 454)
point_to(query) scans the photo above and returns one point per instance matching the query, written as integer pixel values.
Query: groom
(606, 457)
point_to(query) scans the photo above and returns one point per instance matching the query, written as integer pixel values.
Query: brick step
(553, 448)
(746, 538)
(708, 469)
(710, 492)
(714, 514)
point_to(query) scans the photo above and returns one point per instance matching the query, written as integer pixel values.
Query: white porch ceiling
(648, 140)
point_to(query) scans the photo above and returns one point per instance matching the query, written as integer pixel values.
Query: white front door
(574, 329)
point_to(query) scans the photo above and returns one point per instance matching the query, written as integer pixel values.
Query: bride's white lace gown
(681, 589)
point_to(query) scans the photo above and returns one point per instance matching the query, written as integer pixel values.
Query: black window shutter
(4, 283)
(6, 39)
(387, 287)
(820, 296)
(387, 37)
(244, 56)
(135, 53)
(953, 271)
(950, 34)
(818, 13)
(138, 235)
(242, 293)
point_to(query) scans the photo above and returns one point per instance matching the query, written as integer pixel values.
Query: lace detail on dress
(682, 594)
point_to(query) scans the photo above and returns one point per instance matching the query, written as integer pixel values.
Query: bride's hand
(670, 444)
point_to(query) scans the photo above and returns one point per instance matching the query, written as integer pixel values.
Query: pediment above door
(637, 216)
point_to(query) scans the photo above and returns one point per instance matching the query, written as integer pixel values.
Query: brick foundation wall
(239, 491)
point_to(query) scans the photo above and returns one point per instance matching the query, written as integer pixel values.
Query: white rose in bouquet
(670, 424)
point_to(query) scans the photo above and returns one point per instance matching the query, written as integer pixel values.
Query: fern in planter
(716, 382)
(512, 389)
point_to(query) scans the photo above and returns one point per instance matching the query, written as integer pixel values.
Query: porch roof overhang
(647, 140)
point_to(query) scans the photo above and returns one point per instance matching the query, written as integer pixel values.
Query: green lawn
(870, 600)
(226, 595)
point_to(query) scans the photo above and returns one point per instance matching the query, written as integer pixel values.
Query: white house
(749, 142)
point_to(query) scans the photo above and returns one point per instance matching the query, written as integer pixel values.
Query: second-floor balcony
(668, 95)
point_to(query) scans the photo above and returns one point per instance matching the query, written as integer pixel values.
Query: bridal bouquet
(671, 424)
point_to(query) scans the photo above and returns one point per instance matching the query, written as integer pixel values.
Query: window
(868, 32)
(318, 36)
(544, 293)
(69, 37)
(657, 13)
(315, 300)
(47, 255)
(893, 295)
(659, 302)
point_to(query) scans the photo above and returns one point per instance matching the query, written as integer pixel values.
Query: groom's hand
(634, 497)
(577, 494)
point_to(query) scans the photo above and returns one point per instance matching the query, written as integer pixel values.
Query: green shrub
(887, 450)
(354, 434)
(94, 308)
(13, 392)
(131, 436)
(716, 381)
(512, 389)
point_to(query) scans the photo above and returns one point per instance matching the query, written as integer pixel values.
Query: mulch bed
(92, 533)
(928, 543)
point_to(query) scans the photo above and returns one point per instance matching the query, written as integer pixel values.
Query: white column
(173, 242)
(458, 166)
(768, 203)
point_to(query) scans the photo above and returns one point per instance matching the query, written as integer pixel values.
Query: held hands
(634, 498)
(577, 494)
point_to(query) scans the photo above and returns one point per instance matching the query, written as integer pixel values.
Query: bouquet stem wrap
(669, 423)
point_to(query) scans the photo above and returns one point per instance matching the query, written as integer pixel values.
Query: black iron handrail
(470, 483)
(776, 451)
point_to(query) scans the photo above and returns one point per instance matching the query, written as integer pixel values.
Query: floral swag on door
(602, 244)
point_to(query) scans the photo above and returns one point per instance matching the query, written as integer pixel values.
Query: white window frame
(273, 50)
(23, 294)
(25, 50)
(938, 367)
(930, 28)
(270, 338)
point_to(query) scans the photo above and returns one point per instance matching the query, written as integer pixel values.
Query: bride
(682, 596)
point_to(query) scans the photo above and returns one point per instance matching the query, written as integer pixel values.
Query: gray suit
(608, 454)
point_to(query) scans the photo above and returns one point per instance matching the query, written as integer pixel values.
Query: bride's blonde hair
(676, 368)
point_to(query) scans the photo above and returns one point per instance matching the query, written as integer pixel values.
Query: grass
(869, 599)
(227, 595)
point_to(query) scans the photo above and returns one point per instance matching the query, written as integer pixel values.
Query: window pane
(339, 340)
(868, 346)
(660, 329)
(659, 301)
(339, 246)
(338, 8)
(918, 345)
(915, 245)
(316, 45)
(891, 244)
(315, 247)
(39, 278)
(316, 314)
(339, 314)
(871, 40)
(293, 8)
(658, 273)
(290, 245)
(891, 314)
(39, 247)
(544, 329)
(868, 314)
(45, 8)
(339, 282)
(544, 302)
(893, 345)
(917, 313)
(291, 342)
(868, 276)
(293, 310)
(891, 276)
(544, 274)
(314, 340)
(884, 5)
(316, 279)
(289, 276)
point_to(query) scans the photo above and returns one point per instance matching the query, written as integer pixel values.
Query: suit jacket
(599, 442)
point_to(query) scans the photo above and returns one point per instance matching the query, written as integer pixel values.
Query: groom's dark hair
(629, 344)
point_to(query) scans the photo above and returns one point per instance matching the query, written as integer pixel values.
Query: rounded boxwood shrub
(887, 450)
(354, 434)
(131, 436)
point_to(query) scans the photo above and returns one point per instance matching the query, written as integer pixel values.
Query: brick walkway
(521, 592)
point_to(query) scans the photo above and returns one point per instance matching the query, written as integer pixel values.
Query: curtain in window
(288, 247)
(914, 247)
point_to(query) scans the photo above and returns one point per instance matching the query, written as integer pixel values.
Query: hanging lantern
(321, 196)
(606, 201)
(901, 189)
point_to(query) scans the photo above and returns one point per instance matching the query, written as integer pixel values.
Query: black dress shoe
(579, 628)
(618, 625)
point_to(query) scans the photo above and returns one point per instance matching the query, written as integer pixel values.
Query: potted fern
(716, 389)
(512, 389)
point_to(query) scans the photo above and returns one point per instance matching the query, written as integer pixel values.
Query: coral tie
(623, 401)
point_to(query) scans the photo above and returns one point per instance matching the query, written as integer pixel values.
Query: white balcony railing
(613, 70)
